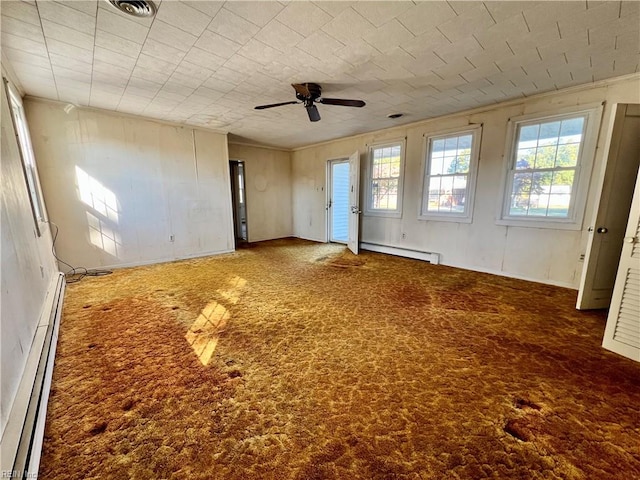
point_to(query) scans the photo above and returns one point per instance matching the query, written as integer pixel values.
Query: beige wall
(28, 268)
(268, 191)
(119, 187)
(540, 254)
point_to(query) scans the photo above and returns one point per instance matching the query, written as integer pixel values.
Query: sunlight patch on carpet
(204, 333)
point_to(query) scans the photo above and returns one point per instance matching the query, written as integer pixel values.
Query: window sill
(446, 218)
(382, 213)
(561, 224)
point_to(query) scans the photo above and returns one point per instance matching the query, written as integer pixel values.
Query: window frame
(592, 114)
(28, 159)
(377, 212)
(467, 215)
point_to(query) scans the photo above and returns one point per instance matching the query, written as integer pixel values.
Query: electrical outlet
(404, 235)
(172, 238)
(582, 256)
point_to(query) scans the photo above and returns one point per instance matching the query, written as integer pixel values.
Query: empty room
(261, 240)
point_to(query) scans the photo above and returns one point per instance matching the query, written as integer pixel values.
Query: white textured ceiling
(209, 63)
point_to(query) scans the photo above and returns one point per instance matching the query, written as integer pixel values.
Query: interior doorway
(338, 200)
(239, 199)
(606, 233)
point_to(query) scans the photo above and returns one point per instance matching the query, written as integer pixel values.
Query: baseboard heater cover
(433, 258)
(29, 448)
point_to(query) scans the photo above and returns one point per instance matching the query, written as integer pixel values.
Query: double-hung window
(450, 166)
(28, 159)
(384, 186)
(549, 165)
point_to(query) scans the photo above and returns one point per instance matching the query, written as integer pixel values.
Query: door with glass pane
(338, 202)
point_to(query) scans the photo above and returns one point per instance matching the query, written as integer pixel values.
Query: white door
(622, 334)
(354, 202)
(338, 204)
(606, 233)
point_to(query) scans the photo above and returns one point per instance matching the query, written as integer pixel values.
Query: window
(26, 152)
(384, 195)
(549, 165)
(449, 175)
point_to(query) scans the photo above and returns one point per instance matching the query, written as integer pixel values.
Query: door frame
(611, 148)
(237, 235)
(329, 198)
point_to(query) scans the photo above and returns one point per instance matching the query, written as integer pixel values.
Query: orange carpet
(298, 360)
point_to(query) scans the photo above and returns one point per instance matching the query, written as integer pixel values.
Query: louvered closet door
(622, 334)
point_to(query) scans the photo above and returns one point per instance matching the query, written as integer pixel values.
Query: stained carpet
(298, 360)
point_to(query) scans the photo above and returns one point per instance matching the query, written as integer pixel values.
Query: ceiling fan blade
(271, 105)
(312, 110)
(302, 89)
(342, 101)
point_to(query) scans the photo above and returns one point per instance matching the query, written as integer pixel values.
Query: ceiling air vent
(136, 8)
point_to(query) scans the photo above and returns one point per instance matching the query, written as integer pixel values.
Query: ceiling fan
(309, 94)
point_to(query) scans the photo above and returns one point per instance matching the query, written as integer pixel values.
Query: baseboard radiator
(430, 257)
(25, 427)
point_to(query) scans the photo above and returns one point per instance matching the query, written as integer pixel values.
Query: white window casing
(28, 159)
(446, 194)
(377, 203)
(534, 207)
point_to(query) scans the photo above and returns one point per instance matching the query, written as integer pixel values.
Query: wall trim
(23, 436)
(162, 260)
(482, 109)
(117, 113)
(501, 273)
(323, 240)
(420, 255)
(254, 145)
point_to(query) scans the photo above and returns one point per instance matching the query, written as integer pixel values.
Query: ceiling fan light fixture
(135, 8)
(309, 94)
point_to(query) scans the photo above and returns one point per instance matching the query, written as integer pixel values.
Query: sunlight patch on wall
(204, 333)
(103, 236)
(96, 195)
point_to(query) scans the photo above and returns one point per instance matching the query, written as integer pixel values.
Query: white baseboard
(501, 273)
(22, 438)
(160, 260)
(433, 258)
(319, 240)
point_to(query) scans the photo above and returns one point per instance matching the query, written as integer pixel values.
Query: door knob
(602, 230)
(630, 239)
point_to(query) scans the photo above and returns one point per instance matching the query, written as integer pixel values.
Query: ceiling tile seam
(137, 59)
(27, 51)
(107, 45)
(67, 25)
(70, 6)
(224, 65)
(55, 83)
(18, 33)
(322, 29)
(451, 7)
(489, 12)
(186, 31)
(93, 55)
(526, 23)
(236, 15)
(21, 19)
(180, 102)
